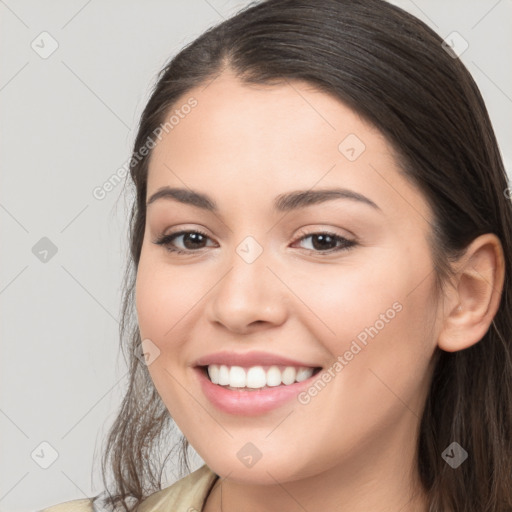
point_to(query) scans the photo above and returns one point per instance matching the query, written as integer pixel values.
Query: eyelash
(166, 240)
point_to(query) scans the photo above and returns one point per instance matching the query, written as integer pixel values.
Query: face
(330, 294)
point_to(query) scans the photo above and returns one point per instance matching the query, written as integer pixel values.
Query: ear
(471, 305)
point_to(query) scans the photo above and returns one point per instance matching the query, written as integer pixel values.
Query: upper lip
(247, 359)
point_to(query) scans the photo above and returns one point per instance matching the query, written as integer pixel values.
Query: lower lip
(250, 402)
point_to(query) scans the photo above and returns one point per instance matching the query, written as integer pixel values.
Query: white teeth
(256, 377)
(273, 376)
(224, 376)
(237, 377)
(303, 374)
(213, 373)
(289, 375)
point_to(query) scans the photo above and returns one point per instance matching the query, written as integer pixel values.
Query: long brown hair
(392, 69)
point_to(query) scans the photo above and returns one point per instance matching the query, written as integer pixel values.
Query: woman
(321, 272)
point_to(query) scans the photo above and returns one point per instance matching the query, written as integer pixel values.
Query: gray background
(67, 124)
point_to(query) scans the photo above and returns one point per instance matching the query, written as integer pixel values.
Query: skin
(352, 447)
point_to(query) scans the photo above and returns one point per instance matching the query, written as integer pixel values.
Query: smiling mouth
(253, 378)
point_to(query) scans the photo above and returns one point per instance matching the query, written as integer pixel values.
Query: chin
(267, 470)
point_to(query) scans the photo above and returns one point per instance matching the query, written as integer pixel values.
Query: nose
(249, 296)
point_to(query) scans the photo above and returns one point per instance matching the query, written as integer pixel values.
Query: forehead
(274, 137)
(229, 112)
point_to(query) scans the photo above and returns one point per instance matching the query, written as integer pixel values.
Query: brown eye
(327, 242)
(191, 241)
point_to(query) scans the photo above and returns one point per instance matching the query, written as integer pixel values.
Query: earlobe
(478, 285)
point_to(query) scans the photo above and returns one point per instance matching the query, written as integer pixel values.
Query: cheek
(375, 325)
(164, 299)
(390, 287)
(345, 299)
(164, 295)
(379, 319)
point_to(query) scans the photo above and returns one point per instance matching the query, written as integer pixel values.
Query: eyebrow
(283, 202)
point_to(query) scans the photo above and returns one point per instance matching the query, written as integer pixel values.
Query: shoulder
(185, 495)
(72, 506)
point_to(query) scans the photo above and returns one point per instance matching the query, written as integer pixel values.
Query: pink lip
(249, 402)
(247, 359)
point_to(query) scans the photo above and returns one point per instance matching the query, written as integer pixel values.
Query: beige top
(186, 495)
